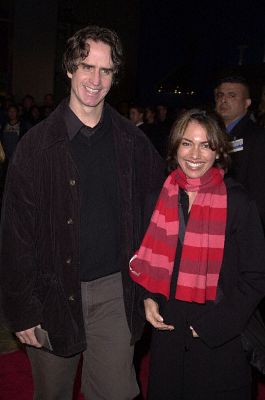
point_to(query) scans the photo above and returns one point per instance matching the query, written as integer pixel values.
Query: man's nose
(95, 77)
(223, 98)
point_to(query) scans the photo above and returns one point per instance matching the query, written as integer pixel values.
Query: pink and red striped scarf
(203, 246)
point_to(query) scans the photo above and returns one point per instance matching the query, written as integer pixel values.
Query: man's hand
(28, 337)
(153, 316)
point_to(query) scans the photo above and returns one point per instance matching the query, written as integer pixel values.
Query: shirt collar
(233, 124)
(73, 123)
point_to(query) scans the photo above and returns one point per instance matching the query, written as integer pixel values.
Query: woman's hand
(153, 316)
(194, 333)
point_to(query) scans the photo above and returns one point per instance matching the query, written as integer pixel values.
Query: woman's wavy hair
(216, 136)
(77, 48)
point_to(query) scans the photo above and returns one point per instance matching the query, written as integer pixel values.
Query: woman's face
(12, 114)
(194, 155)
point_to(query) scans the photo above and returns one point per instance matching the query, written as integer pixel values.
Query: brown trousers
(108, 371)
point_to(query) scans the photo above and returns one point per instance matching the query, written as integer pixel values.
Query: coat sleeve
(149, 175)
(243, 271)
(257, 169)
(18, 268)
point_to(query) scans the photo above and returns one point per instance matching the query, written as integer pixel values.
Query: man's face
(161, 112)
(92, 80)
(27, 103)
(232, 101)
(135, 116)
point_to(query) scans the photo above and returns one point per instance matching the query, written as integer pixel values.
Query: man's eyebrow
(84, 64)
(229, 92)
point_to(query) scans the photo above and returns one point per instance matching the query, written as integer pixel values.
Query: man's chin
(224, 115)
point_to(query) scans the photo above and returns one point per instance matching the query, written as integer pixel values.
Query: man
(136, 115)
(72, 217)
(164, 125)
(247, 139)
(163, 118)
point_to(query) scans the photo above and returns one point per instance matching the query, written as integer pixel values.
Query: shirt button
(70, 221)
(68, 260)
(71, 298)
(72, 182)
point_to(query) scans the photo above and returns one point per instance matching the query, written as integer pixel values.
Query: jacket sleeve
(149, 175)
(257, 169)
(18, 268)
(244, 253)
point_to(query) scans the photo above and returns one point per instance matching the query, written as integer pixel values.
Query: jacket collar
(54, 128)
(238, 130)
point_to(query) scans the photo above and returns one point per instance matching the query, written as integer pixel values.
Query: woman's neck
(192, 196)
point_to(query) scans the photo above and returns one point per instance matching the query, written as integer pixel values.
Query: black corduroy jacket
(39, 270)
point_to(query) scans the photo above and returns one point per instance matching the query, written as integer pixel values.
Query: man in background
(232, 99)
(136, 115)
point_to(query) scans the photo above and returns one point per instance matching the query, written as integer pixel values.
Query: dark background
(174, 49)
(190, 42)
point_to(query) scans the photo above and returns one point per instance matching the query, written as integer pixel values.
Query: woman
(12, 131)
(202, 265)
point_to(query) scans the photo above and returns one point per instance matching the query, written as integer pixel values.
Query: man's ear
(69, 75)
(248, 103)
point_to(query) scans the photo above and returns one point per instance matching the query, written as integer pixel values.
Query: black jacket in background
(248, 165)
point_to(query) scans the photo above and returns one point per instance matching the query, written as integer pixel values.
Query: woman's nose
(195, 152)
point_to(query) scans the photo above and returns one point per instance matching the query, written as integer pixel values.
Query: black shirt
(93, 152)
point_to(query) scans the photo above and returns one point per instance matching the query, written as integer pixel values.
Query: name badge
(237, 145)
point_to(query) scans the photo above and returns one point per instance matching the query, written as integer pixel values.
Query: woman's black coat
(216, 360)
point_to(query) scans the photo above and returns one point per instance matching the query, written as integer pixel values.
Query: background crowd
(155, 120)
(16, 118)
